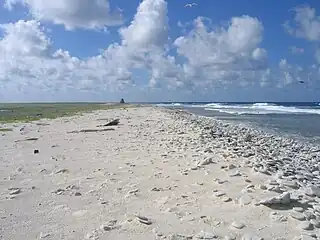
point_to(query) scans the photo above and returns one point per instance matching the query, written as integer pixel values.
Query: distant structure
(122, 101)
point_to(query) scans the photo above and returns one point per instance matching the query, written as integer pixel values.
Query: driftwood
(112, 123)
(93, 130)
(27, 139)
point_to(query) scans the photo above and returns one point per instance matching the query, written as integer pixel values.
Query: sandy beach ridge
(159, 174)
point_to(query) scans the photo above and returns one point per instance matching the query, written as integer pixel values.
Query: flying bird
(190, 5)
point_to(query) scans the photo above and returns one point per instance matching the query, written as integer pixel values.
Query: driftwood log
(112, 123)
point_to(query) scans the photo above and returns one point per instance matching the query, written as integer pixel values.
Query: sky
(159, 50)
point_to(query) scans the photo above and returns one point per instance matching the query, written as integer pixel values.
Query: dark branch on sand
(93, 130)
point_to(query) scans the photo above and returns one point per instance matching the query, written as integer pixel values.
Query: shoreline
(263, 130)
(160, 174)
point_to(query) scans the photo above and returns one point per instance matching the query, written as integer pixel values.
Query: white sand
(143, 168)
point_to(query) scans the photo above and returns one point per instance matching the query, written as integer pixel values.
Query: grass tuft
(5, 129)
(28, 112)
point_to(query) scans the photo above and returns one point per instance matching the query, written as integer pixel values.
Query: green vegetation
(26, 112)
(5, 129)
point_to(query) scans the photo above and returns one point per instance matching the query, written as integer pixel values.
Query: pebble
(245, 200)
(205, 235)
(219, 194)
(230, 237)
(298, 209)
(306, 237)
(238, 225)
(276, 189)
(297, 216)
(234, 174)
(144, 220)
(133, 191)
(44, 235)
(306, 225)
(263, 187)
(77, 194)
(291, 184)
(315, 223)
(282, 199)
(231, 166)
(180, 237)
(15, 191)
(108, 226)
(251, 237)
(273, 182)
(206, 161)
(62, 171)
(278, 217)
(309, 215)
(226, 199)
(312, 191)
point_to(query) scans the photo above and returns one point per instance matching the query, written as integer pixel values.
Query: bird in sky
(190, 5)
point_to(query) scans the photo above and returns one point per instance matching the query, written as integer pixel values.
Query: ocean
(300, 121)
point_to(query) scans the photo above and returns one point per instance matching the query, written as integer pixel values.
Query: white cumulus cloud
(306, 24)
(202, 59)
(226, 54)
(89, 14)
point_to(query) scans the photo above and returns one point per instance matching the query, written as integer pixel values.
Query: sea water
(296, 120)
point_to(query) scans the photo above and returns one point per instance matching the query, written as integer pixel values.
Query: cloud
(203, 59)
(306, 24)
(88, 14)
(223, 55)
(30, 65)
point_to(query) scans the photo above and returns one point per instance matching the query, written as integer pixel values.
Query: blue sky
(215, 51)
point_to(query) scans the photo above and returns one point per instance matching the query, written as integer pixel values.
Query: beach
(159, 174)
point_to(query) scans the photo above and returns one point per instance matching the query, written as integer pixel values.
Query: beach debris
(282, 199)
(14, 191)
(238, 225)
(298, 209)
(297, 216)
(44, 235)
(206, 161)
(312, 191)
(92, 130)
(36, 151)
(180, 237)
(315, 223)
(108, 226)
(64, 170)
(275, 216)
(59, 191)
(27, 139)
(305, 225)
(114, 122)
(234, 173)
(143, 220)
(133, 191)
(205, 235)
(219, 194)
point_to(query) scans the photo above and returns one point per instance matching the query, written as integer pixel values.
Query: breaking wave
(251, 108)
(261, 108)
